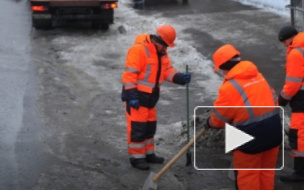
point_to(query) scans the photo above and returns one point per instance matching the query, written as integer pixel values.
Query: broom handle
(177, 156)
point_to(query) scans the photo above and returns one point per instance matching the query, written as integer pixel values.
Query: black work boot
(138, 4)
(152, 158)
(298, 175)
(139, 163)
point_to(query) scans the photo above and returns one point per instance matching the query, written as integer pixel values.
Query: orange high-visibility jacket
(145, 70)
(293, 89)
(245, 86)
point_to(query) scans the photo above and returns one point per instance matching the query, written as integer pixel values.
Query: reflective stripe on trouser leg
(296, 134)
(140, 135)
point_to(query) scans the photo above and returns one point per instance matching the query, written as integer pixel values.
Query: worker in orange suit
(147, 66)
(242, 90)
(293, 93)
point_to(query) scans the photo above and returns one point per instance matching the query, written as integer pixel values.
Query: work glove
(186, 77)
(282, 101)
(134, 103)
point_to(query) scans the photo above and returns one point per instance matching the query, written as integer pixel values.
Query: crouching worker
(245, 87)
(147, 66)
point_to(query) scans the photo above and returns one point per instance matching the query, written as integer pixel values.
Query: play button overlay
(235, 138)
(215, 149)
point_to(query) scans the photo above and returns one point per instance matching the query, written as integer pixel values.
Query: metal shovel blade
(149, 183)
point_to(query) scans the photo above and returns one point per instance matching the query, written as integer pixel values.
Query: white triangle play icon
(235, 138)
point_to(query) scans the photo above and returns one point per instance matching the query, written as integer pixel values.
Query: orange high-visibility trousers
(141, 128)
(255, 179)
(296, 134)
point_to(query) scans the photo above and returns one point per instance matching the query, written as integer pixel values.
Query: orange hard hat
(167, 33)
(224, 54)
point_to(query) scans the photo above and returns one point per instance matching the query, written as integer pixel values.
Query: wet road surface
(62, 127)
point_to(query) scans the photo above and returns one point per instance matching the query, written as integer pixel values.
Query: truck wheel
(96, 24)
(104, 26)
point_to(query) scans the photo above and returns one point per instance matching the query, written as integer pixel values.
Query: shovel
(150, 183)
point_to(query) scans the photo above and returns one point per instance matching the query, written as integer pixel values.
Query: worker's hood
(143, 39)
(243, 70)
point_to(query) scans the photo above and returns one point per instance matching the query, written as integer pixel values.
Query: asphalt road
(62, 122)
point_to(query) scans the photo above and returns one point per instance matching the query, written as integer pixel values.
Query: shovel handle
(187, 102)
(177, 156)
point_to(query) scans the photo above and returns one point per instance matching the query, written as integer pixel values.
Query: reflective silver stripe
(235, 59)
(293, 79)
(148, 72)
(136, 145)
(244, 96)
(144, 83)
(138, 155)
(127, 85)
(252, 118)
(258, 118)
(147, 52)
(285, 96)
(171, 76)
(149, 151)
(130, 69)
(297, 153)
(150, 141)
(274, 96)
(300, 50)
(220, 116)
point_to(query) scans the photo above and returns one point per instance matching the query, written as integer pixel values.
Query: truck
(99, 12)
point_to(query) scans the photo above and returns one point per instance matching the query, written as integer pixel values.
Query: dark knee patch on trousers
(151, 129)
(138, 131)
(293, 138)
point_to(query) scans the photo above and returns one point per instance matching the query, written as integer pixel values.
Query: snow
(277, 6)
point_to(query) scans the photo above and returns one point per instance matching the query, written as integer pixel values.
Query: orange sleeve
(220, 116)
(294, 74)
(169, 71)
(132, 67)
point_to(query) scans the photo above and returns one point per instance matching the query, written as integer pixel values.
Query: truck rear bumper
(108, 18)
(80, 17)
(42, 16)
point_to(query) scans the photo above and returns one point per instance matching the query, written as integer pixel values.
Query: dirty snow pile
(277, 6)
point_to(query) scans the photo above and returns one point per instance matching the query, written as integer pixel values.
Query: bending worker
(147, 66)
(293, 93)
(243, 85)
